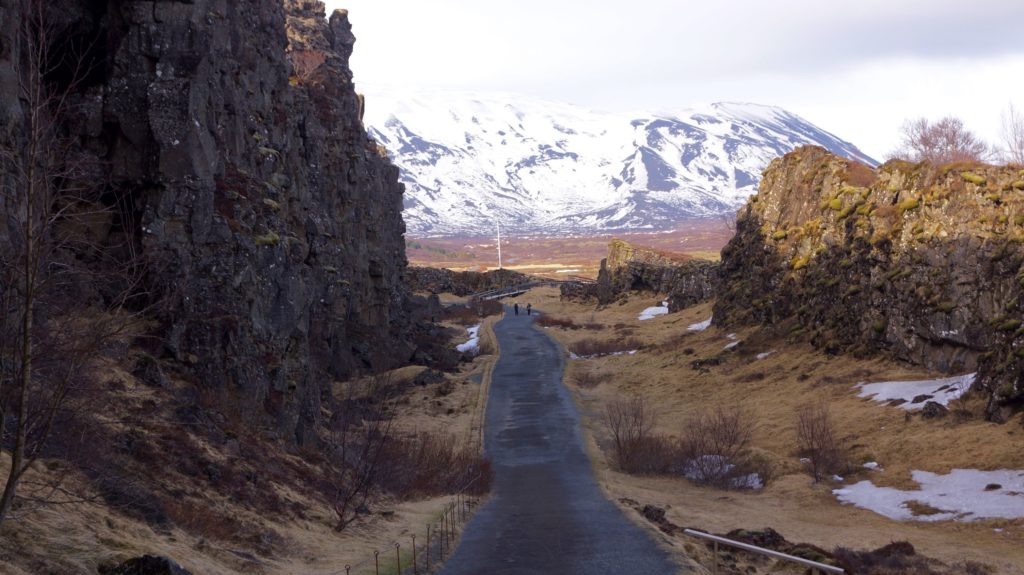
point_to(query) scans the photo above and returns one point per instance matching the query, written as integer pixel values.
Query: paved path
(547, 514)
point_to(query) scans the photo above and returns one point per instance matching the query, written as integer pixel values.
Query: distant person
(515, 306)
(529, 309)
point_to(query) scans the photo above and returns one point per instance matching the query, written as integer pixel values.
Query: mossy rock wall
(917, 261)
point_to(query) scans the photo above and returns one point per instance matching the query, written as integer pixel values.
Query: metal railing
(816, 568)
(422, 555)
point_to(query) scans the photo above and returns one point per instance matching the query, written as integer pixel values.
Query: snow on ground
(765, 355)
(630, 352)
(700, 326)
(731, 345)
(938, 390)
(872, 465)
(653, 312)
(567, 271)
(473, 345)
(961, 495)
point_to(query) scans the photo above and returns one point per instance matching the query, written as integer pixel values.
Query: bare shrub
(429, 464)
(305, 63)
(587, 379)
(941, 142)
(555, 321)
(636, 449)
(358, 432)
(816, 439)
(715, 446)
(594, 347)
(901, 557)
(1013, 136)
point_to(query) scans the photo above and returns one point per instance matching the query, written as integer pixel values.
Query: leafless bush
(816, 438)
(587, 379)
(944, 141)
(636, 449)
(1013, 136)
(305, 63)
(430, 464)
(715, 444)
(358, 433)
(555, 321)
(594, 347)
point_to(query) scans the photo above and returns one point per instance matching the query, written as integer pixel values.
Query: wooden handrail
(814, 565)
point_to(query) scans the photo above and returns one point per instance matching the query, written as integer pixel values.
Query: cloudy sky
(858, 69)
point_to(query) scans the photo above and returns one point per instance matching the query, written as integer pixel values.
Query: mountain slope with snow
(469, 160)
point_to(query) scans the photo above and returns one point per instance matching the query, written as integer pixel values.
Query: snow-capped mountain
(469, 160)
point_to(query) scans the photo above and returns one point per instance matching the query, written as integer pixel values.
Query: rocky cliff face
(683, 280)
(232, 134)
(918, 261)
(439, 280)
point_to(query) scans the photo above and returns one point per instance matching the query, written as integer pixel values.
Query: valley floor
(772, 379)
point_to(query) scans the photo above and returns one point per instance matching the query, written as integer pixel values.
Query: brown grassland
(213, 533)
(773, 389)
(556, 256)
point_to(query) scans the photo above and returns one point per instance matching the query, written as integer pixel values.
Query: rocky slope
(230, 137)
(546, 167)
(684, 281)
(918, 261)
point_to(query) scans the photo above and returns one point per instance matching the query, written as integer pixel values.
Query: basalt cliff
(917, 261)
(230, 143)
(682, 280)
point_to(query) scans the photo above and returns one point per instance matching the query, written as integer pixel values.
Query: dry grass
(243, 505)
(774, 389)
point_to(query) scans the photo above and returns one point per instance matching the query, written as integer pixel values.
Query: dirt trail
(547, 514)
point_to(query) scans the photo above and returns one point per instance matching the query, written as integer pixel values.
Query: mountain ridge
(538, 166)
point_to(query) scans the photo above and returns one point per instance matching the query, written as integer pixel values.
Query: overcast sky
(857, 69)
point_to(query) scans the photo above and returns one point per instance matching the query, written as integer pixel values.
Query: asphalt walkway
(548, 514)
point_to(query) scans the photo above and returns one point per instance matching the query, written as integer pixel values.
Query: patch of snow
(701, 326)
(731, 336)
(961, 495)
(473, 345)
(731, 345)
(764, 355)
(837, 478)
(596, 355)
(940, 390)
(805, 460)
(872, 465)
(653, 312)
(567, 271)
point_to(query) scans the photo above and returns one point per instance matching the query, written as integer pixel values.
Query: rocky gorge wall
(441, 280)
(230, 133)
(684, 281)
(918, 261)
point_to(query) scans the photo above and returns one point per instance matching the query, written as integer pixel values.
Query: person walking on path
(515, 306)
(529, 309)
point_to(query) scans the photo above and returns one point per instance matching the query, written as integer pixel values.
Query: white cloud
(856, 68)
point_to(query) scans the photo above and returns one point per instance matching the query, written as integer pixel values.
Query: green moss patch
(973, 178)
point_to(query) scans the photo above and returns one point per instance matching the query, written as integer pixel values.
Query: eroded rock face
(439, 280)
(918, 261)
(270, 220)
(684, 281)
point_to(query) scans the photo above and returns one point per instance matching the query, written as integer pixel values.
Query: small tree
(65, 295)
(631, 422)
(1013, 136)
(816, 439)
(358, 434)
(944, 141)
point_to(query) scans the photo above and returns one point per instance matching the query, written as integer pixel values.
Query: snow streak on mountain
(469, 160)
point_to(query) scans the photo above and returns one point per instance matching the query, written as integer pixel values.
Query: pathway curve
(548, 514)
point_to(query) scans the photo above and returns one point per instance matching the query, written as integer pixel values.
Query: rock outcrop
(230, 136)
(683, 280)
(918, 261)
(440, 280)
